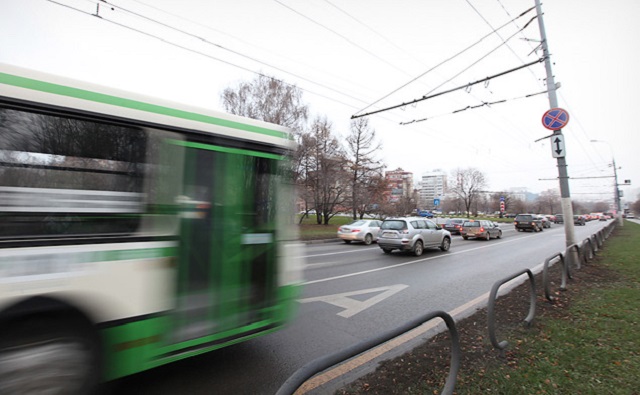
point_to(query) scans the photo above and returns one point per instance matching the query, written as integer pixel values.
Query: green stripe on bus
(143, 253)
(42, 86)
(226, 149)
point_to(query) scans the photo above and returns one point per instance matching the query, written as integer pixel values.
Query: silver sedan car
(364, 230)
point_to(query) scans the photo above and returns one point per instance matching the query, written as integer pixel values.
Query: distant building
(399, 183)
(432, 186)
(521, 193)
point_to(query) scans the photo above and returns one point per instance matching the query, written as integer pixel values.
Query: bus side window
(68, 176)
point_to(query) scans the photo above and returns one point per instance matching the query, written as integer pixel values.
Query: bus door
(226, 265)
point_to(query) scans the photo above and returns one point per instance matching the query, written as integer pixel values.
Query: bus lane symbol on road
(353, 306)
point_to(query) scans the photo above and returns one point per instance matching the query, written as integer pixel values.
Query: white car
(364, 230)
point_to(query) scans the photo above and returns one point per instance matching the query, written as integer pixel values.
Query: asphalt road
(354, 292)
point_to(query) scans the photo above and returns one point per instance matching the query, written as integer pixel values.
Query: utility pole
(617, 193)
(565, 195)
(616, 190)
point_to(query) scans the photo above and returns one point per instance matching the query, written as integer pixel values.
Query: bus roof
(34, 86)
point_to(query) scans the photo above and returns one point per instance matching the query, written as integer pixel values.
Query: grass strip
(594, 348)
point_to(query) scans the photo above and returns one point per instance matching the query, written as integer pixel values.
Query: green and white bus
(134, 232)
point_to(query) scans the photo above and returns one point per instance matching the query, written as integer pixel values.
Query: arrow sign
(352, 306)
(557, 146)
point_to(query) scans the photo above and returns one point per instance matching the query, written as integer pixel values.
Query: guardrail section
(316, 366)
(545, 275)
(492, 302)
(592, 249)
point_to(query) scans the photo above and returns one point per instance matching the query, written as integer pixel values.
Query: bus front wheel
(47, 356)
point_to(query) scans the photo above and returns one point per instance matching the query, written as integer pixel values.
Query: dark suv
(527, 222)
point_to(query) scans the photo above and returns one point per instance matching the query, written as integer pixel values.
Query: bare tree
(371, 195)
(467, 184)
(268, 99)
(399, 208)
(452, 203)
(519, 206)
(325, 178)
(361, 149)
(549, 201)
(635, 206)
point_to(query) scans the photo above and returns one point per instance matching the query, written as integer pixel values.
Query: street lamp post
(616, 191)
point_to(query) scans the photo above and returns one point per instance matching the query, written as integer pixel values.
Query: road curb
(322, 241)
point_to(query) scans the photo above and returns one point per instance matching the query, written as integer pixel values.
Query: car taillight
(355, 230)
(481, 229)
(515, 222)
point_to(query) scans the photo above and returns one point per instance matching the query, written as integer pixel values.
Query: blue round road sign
(555, 119)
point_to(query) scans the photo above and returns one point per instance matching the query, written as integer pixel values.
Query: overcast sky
(356, 56)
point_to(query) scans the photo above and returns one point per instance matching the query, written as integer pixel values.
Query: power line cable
(213, 57)
(440, 64)
(373, 31)
(204, 40)
(498, 34)
(342, 36)
(307, 66)
(426, 97)
(484, 104)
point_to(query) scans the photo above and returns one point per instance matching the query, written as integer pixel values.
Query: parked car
(363, 230)
(425, 213)
(453, 225)
(579, 220)
(480, 230)
(559, 219)
(545, 221)
(412, 234)
(524, 222)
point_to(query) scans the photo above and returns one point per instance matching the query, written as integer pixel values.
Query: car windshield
(455, 221)
(358, 223)
(473, 224)
(393, 225)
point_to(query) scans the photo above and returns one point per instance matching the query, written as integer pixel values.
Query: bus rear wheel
(47, 356)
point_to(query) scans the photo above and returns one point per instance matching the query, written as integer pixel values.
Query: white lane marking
(408, 263)
(352, 306)
(341, 252)
(457, 314)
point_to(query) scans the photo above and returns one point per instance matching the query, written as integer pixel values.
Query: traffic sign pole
(563, 175)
